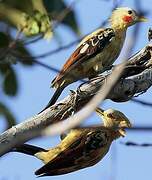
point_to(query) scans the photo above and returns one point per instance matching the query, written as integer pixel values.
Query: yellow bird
(96, 52)
(82, 147)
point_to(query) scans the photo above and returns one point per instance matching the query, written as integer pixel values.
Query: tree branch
(136, 78)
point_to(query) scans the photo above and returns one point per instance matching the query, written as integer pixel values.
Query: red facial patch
(128, 19)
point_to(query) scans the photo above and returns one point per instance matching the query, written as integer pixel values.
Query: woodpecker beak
(122, 125)
(125, 124)
(122, 132)
(99, 111)
(142, 19)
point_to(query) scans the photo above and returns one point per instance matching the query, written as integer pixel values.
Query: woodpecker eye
(110, 115)
(130, 12)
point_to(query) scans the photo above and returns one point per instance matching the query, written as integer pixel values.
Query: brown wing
(89, 47)
(82, 153)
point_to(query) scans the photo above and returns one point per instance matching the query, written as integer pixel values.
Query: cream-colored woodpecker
(81, 147)
(97, 51)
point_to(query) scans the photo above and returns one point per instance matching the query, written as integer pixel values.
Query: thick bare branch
(136, 78)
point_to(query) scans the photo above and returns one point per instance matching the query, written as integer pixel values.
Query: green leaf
(31, 24)
(10, 83)
(21, 51)
(5, 111)
(4, 40)
(8, 75)
(22, 5)
(36, 23)
(56, 7)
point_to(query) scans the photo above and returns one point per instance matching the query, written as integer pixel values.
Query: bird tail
(54, 98)
(28, 149)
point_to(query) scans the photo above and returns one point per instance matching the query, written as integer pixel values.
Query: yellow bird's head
(114, 119)
(124, 17)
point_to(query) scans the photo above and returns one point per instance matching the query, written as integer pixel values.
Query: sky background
(122, 162)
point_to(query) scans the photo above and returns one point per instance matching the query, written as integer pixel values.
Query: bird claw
(70, 112)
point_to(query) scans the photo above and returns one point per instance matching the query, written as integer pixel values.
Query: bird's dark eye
(130, 12)
(110, 115)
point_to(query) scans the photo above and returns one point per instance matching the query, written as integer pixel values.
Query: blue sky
(121, 163)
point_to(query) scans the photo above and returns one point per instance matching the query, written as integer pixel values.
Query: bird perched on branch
(96, 52)
(82, 147)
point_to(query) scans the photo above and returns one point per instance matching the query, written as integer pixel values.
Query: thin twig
(130, 143)
(142, 102)
(49, 53)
